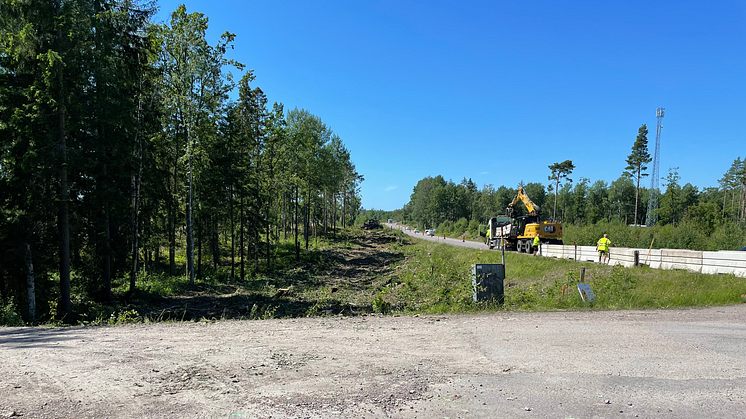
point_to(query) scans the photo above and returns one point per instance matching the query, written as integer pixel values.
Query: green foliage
(474, 228)
(125, 317)
(560, 172)
(8, 313)
(637, 162)
(380, 305)
(446, 227)
(158, 157)
(262, 313)
(616, 287)
(156, 283)
(690, 234)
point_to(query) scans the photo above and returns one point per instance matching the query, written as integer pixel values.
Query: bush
(687, 235)
(474, 228)
(8, 314)
(446, 227)
(461, 226)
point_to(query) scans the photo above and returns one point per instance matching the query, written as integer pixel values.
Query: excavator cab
(526, 220)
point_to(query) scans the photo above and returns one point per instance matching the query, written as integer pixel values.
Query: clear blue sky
(498, 91)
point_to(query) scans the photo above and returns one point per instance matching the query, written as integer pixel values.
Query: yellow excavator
(517, 233)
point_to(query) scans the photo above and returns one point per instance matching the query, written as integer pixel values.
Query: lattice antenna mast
(654, 184)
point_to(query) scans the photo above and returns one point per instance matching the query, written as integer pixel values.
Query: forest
(687, 217)
(129, 146)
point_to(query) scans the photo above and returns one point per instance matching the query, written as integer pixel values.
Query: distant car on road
(416, 230)
(743, 249)
(408, 228)
(428, 232)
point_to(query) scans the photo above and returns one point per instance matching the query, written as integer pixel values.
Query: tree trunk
(637, 194)
(30, 285)
(334, 214)
(556, 191)
(63, 193)
(344, 205)
(107, 236)
(172, 229)
(326, 212)
(269, 228)
(240, 238)
(307, 216)
(190, 220)
(233, 237)
(284, 215)
(101, 134)
(135, 182)
(215, 243)
(199, 248)
(297, 245)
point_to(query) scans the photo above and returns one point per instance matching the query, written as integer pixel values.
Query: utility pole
(652, 218)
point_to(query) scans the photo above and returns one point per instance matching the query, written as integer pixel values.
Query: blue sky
(497, 91)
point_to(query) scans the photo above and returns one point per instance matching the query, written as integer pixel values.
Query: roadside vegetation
(387, 272)
(537, 283)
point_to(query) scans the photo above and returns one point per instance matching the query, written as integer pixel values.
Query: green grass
(436, 278)
(360, 273)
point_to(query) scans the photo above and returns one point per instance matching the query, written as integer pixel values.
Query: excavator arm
(532, 208)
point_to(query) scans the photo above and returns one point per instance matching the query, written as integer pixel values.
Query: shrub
(446, 227)
(474, 228)
(8, 314)
(461, 226)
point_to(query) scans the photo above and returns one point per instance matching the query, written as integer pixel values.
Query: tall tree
(560, 172)
(671, 210)
(195, 90)
(637, 161)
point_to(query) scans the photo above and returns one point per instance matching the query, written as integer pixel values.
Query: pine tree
(637, 162)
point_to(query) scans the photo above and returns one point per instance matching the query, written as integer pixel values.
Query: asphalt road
(439, 239)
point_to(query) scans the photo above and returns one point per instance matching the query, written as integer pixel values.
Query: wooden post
(582, 274)
(651, 248)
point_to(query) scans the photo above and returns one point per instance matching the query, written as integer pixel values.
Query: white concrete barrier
(690, 260)
(722, 262)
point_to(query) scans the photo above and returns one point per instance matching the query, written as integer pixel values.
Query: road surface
(439, 239)
(614, 364)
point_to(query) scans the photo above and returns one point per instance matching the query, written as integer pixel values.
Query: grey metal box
(487, 282)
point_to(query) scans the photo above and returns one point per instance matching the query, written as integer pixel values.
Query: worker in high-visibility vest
(603, 248)
(536, 243)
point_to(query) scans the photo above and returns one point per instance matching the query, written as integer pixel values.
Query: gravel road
(655, 364)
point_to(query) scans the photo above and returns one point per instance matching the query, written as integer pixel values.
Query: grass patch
(435, 278)
(365, 272)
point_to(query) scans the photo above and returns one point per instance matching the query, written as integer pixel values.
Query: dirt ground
(669, 364)
(337, 280)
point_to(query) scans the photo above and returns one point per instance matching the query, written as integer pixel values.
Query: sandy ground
(656, 364)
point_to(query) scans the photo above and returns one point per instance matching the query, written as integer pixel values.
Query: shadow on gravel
(29, 337)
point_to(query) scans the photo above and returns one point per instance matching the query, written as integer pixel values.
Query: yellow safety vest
(536, 241)
(603, 244)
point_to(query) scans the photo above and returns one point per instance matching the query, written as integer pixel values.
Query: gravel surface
(655, 364)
